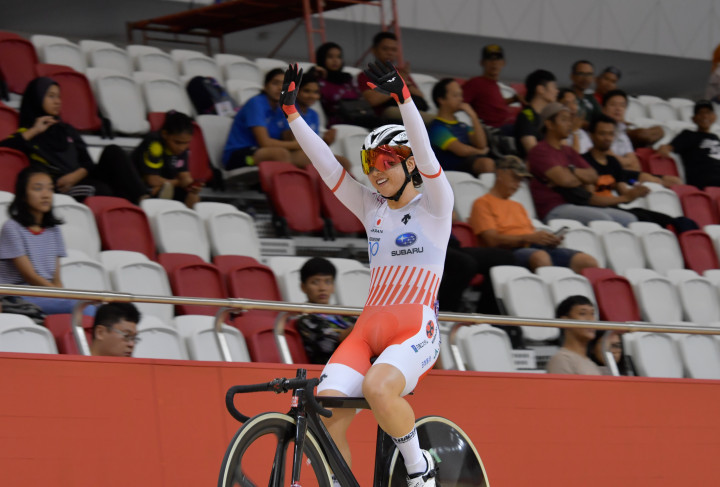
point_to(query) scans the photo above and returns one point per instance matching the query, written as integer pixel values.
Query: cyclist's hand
(385, 79)
(291, 82)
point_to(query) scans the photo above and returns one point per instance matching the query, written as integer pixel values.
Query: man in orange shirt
(500, 222)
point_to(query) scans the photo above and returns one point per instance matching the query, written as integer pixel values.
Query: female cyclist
(408, 232)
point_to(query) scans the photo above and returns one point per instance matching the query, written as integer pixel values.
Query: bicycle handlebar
(277, 386)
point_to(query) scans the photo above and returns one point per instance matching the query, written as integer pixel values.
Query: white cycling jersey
(406, 246)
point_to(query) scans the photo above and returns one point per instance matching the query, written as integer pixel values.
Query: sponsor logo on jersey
(414, 250)
(373, 248)
(406, 218)
(406, 239)
(426, 362)
(430, 330)
(416, 348)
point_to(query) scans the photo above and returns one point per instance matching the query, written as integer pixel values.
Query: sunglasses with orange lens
(384, 157)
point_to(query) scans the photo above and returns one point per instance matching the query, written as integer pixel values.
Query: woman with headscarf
(48, 141)
(340, 96)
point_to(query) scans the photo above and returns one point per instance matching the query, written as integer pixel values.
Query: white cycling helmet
(391, 135)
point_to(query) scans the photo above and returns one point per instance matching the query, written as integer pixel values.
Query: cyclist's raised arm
(349, 192)
(386, 79)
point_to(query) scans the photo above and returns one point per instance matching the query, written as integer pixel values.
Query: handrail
(239, 305)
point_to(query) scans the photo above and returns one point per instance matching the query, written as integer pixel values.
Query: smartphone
(198, 183)
(561, 232)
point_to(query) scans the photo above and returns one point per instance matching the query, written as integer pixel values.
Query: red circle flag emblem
(430, 329)
(378, 222)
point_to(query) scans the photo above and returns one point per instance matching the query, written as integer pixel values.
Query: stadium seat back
(485, 349)
(11, 163)
(17, 61)
(122, 225)
(18, 333)
(698, 250)
(9, 120)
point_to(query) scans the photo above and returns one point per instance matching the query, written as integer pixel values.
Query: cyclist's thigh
(415, 348)
(346, 368)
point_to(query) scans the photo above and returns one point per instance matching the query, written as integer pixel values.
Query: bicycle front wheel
(459, 462)
(261, 454)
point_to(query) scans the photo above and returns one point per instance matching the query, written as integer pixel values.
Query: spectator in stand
(308, 94)
(483, 92)
(259, 128)
(627, 184)
(712, 92)
(321, 333)
(541, 89)
(606, 82)
(579, 140)
(49, 142)
(500, 222)
(581, 75)
(340, 95)
(385, 50)
(162, 159)
(594, 352)
(457, 146)
(561, 176)
(114, 330)
(699, 149)
(31, 243)
(628, 137)
(572, 357)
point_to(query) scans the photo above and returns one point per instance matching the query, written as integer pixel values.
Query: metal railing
(237, 305)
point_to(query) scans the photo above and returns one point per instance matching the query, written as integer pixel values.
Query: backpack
(209, 97)
(17, 305)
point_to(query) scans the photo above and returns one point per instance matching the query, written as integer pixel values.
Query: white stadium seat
(242, 90)
(656, 296)
(466, 189)
(230, 231)
(485, 348)
(85, 274)
(700, 355)
(660, 246)
(266, 64)
(105, 55)
(153, 60)
(79, 229)
(239, 67)
(162, 93)
(119, 100)
(159, 340)
(194, 63)
(18, 333)
(58, 50)
(699, 296)
(147, 278)
(202, 344)
(215, 129)
(654, 355)
(579, 237)
(287, 272)
(5, 199)
(176, 228)
(621, 246)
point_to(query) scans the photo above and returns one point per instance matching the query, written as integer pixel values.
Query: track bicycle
(271, 444)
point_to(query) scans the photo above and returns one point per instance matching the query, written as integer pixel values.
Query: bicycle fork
(300, 432)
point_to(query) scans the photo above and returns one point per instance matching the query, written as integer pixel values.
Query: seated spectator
(321, 333)
(258, 130)
(712, 91)
(561, 176)
(699, 149)
(627, 137)
(114, 330)
(613, 178)
(457, 146)
(581, 75)
(31, 243)
(341, 98)
(541, 89)
(579, 140)
(606, 82)
(483, 92)
(49, 142)
(572, 357)
(308, 94)
(385, 50)
(162, 160)
(615, 345)
(499, 221)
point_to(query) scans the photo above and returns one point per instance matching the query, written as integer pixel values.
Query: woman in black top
(46, 140)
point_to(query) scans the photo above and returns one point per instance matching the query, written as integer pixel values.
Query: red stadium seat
(519, 88)
(199, 163)
(198, 279)
(343, 220)
(614, 294)
(171, 261)
(17, 61)
(11, 163)
(464, 233)
(79, 107)
(292, 194)
(122, 225)
(698, 251)
(697, 205)
(9, 119)
(61, 327)
(661, 165)
(643, 154)
(247, 278)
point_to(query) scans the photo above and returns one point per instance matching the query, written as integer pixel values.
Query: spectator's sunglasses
(393, 155)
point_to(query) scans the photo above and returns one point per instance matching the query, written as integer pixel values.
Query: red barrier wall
(71, 421)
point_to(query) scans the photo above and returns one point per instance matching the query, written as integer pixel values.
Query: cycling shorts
(405, 336)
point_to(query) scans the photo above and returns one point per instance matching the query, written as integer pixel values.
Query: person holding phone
(500, 222)
(162, 159)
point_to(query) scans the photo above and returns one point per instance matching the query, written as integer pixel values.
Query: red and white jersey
(407, 245)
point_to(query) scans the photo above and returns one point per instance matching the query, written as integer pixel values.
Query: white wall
(683, 28)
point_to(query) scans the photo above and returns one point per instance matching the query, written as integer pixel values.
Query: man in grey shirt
(572, 357)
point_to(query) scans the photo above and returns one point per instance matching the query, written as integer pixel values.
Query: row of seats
(486, 348)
